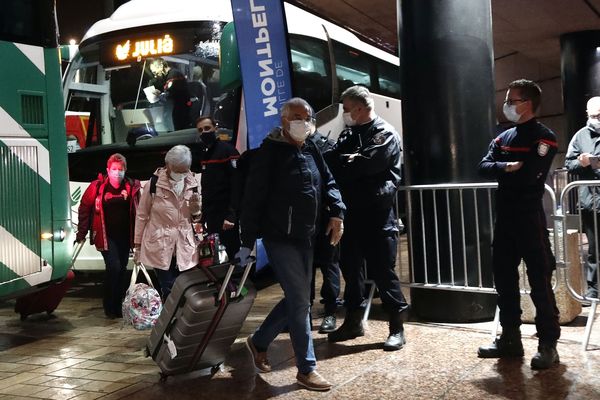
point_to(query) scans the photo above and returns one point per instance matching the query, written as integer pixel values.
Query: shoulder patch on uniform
(542, 149)
(379, 138)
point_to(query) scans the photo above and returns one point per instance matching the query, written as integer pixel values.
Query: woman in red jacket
(108, 210)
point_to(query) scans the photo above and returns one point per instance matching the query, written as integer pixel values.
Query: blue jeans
(292, 264)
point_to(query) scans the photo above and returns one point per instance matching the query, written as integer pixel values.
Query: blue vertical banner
(262, 42)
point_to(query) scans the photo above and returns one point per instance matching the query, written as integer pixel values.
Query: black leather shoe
(545, 357)
(394, 342)
(502, 347)
(328, 324)
(351, 328)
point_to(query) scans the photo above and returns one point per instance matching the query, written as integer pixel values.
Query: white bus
(109, 86)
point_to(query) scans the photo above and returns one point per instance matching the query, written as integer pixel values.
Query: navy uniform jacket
(535, 145)
(219, 181)
(372, 178)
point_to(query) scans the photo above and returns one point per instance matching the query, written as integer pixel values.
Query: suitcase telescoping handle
(77, 250)
(232, 267)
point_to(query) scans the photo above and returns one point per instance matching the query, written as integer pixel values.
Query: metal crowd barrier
(445, 211)
(483, 227)
(572, 218)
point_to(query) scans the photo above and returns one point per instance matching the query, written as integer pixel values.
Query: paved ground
(79, 354)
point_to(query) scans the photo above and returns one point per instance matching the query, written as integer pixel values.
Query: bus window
(310, 71)
(86, 74)
(352, 67)
(389, 80)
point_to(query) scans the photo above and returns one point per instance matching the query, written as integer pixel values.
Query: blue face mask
(116, 174)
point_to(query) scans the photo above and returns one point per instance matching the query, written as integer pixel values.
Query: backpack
(142, 304)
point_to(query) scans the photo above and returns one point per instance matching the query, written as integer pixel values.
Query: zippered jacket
(371, 179)
(531, 143)
(91, 212)
(586, 140)
(163, 227)
(285, 191)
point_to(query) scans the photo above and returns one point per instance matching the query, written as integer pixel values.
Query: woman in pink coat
(164, 236)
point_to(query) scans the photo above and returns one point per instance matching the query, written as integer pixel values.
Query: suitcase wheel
(215, 368)
(146, 352)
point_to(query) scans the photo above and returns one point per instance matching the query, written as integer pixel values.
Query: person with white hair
(287, 189)
(164, 236)
(582, 160)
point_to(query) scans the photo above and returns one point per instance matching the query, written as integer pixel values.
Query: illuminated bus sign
(135, 50)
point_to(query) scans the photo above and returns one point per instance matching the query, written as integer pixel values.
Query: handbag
(142, 304)
(208, 250)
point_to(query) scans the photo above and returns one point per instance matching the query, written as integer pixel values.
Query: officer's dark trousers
(523, 235)
(115, 280)
(368, 239)
(589, 227)
(326, 258)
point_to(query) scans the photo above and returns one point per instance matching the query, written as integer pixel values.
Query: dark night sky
(75, 17)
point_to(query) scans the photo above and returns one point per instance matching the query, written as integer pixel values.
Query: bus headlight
(57, 236)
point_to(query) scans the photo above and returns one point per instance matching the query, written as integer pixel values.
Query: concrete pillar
(446, 62)
(580, 70)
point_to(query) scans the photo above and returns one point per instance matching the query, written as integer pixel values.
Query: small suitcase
(48, 298)
(200, 320)
(45, 300)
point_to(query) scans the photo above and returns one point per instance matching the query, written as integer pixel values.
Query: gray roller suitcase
(200, 320)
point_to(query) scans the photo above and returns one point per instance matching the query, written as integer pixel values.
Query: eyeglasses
(205, 128)
(510, 102)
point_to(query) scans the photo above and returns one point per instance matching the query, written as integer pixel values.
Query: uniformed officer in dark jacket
(174, 87)
(219, 184)
(326, 257)
(585, 144)
(519, 158)
(288, 187)
(366, 163)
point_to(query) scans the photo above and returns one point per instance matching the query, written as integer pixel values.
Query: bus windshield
(133, 86)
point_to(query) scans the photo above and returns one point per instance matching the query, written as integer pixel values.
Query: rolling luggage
(200, 320)
(48, 298)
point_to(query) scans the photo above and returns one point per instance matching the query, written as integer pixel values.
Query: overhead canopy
(530, 27)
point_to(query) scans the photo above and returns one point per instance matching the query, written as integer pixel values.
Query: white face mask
(116, 174)
(299, 130)
(510, 112)
(348, 119)
(594, 124)
(177, 176)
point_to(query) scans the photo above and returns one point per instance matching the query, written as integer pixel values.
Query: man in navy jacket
(287, 187)
(519, 158)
